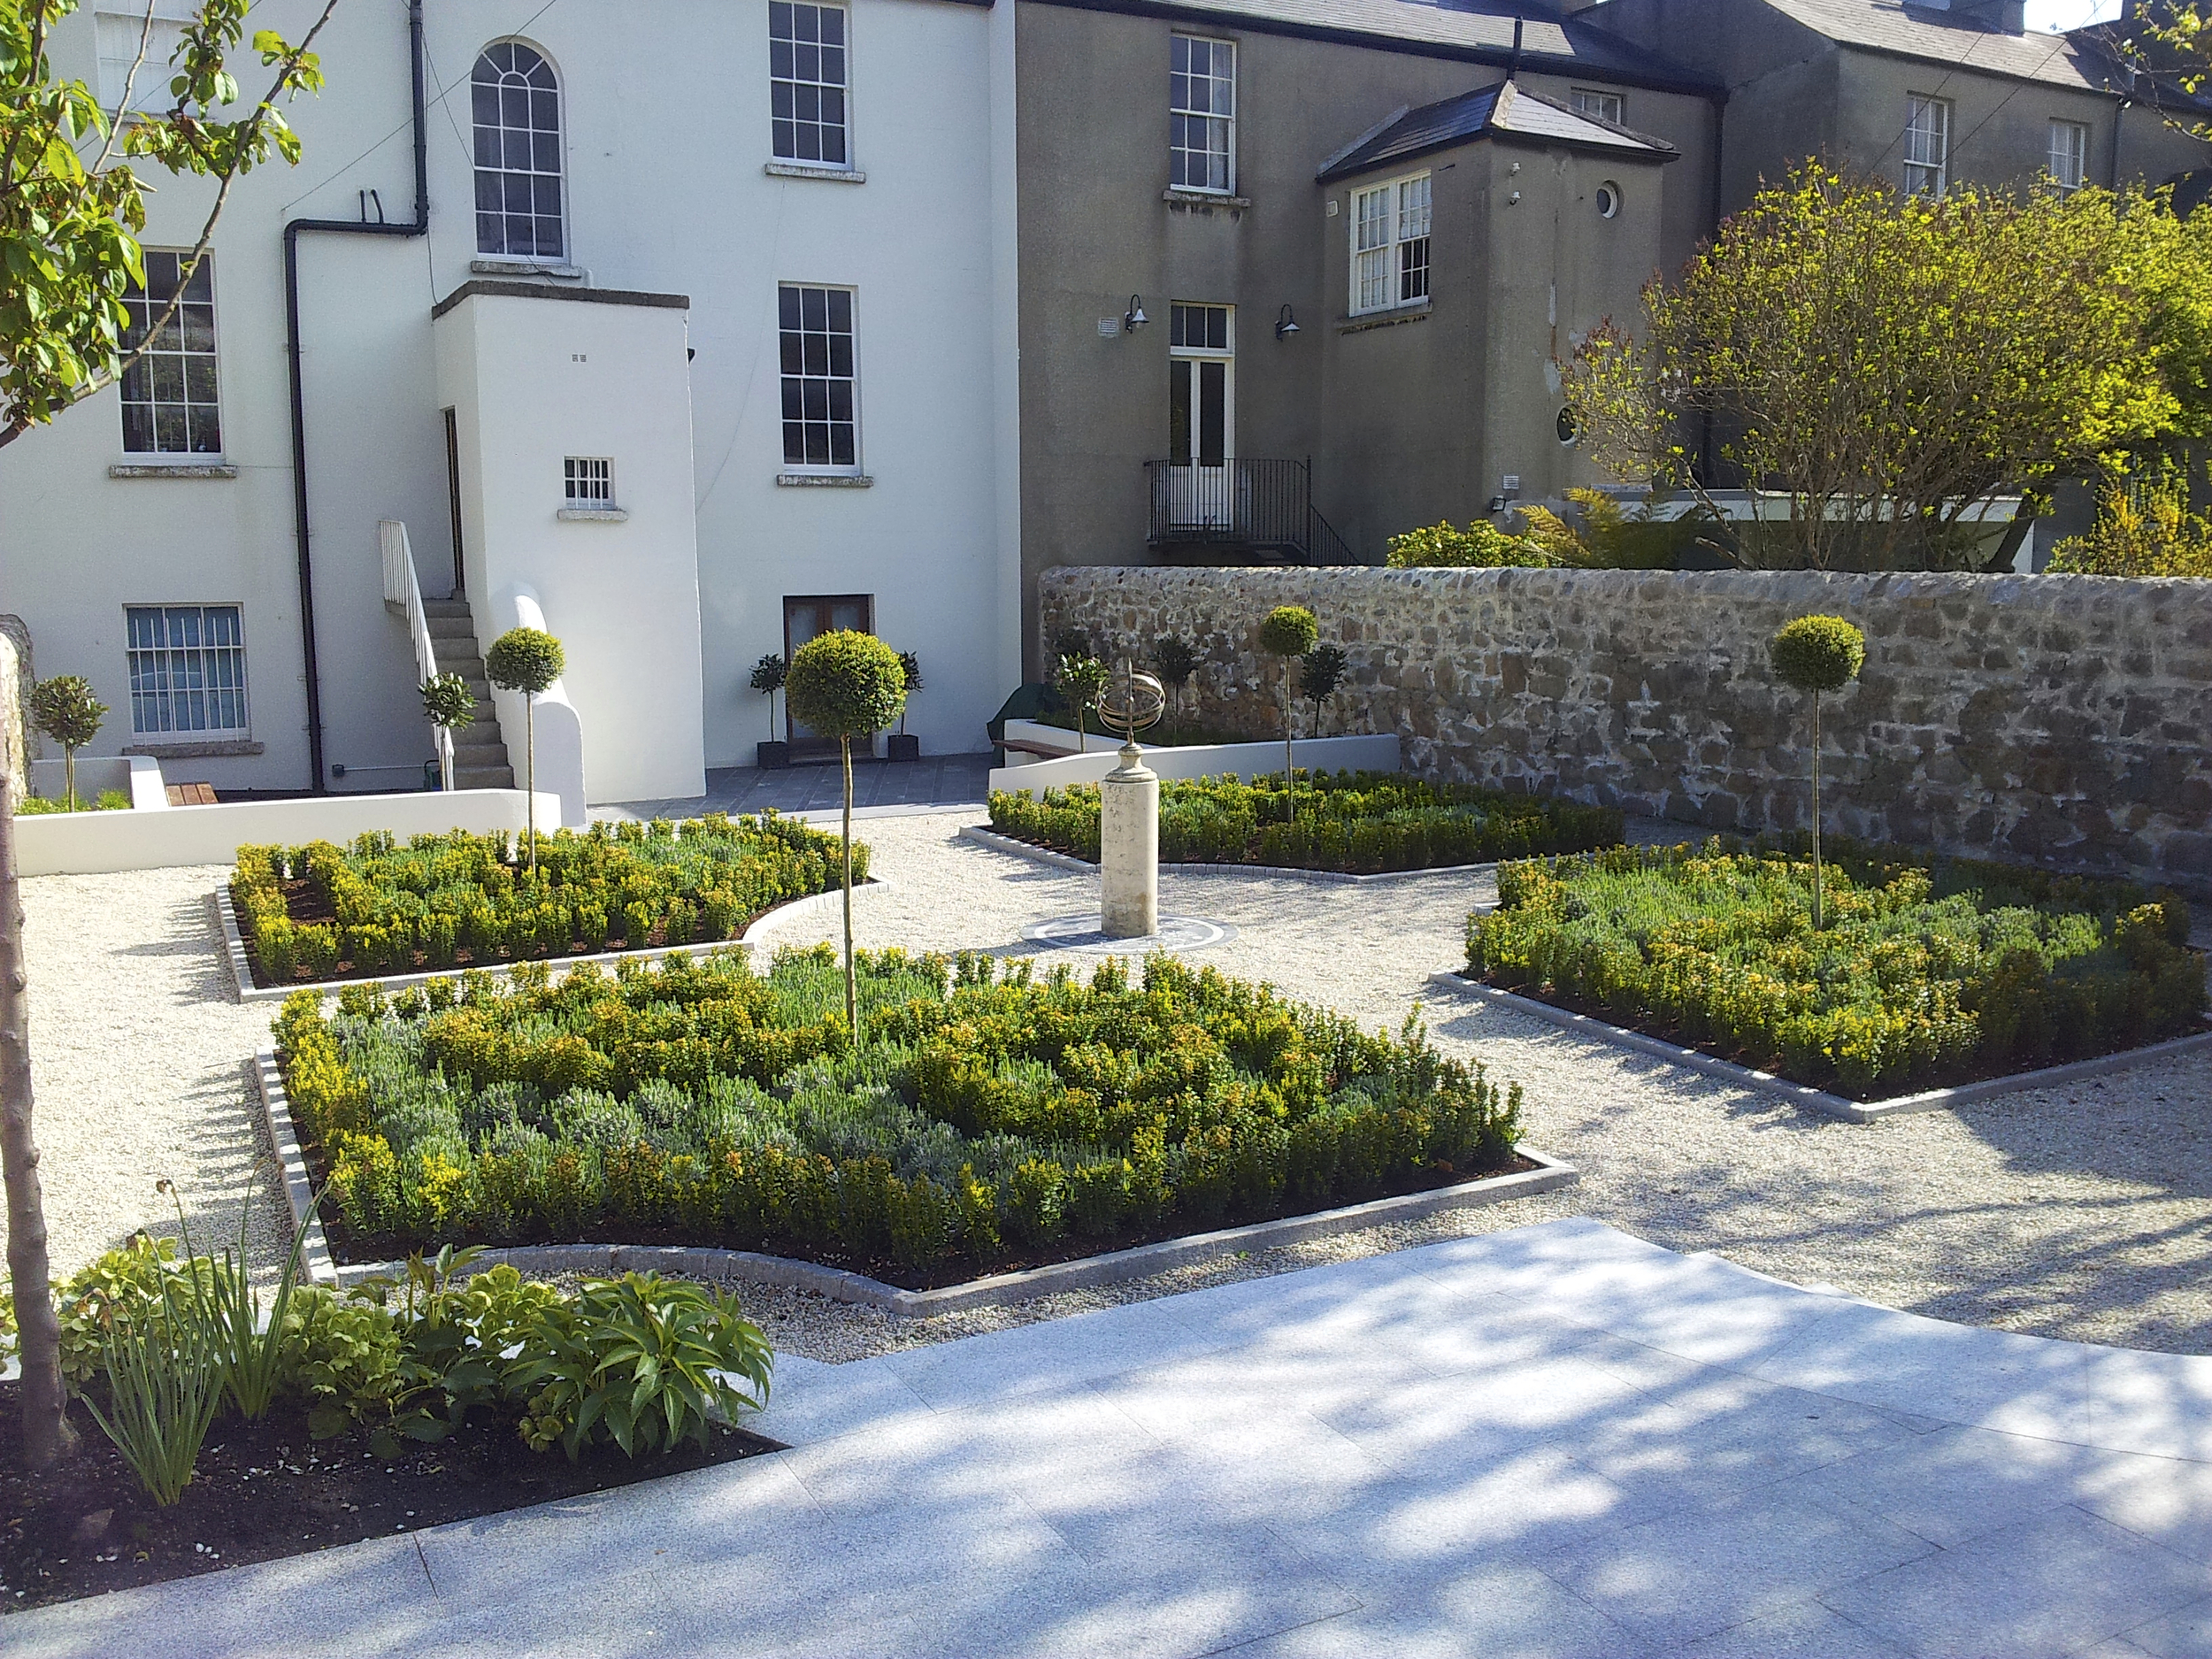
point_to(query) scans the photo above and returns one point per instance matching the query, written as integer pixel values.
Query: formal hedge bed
(985, 1119)
(1357, 822)
(1930, 971)
(323, 912)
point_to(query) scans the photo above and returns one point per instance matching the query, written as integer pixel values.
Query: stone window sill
(528, 268)
(825, 480)
(593, 515)
(214, 749)
(801, 170)
(1418, 311)
(173, 469)
(1174, 197)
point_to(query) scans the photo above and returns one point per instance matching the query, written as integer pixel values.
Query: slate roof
(1478, 30)
(1957, 42)
(1503, 108)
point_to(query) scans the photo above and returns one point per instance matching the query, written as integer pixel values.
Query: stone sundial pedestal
(1129, 811)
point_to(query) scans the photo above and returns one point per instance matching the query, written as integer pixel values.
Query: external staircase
(480, 752)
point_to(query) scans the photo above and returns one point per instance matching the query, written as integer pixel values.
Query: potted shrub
(768, 678)
(846, 683)
(903, 747)
(1817, 654)
(65, 709)
(1079, 680)
(1319, 673)
(449, 704)
(1174, 661)
(526, 660)
(1290, 631)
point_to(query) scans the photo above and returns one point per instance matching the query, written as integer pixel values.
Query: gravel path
(2082, 1212)
(139, 1064)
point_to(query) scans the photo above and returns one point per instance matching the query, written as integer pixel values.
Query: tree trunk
(530, 775)
(47, 1436)
(1290, 771)
(69, 776)
(1816, 893)
(852, 996)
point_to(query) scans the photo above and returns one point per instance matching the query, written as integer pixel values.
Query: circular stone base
(1082, 933)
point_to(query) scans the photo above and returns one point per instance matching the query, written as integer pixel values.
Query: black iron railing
(1264, 505)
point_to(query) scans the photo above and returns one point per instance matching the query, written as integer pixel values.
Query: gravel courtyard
(2083, 1213)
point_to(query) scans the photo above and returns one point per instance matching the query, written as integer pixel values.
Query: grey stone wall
(2063, 721)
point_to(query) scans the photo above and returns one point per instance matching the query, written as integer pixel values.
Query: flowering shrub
(1925, 974)
(1354, 821)
(319, 911)
(979, 1111)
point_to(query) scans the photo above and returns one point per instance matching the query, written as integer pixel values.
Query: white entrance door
(1201, 421)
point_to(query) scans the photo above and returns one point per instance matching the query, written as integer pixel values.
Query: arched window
(517, 101)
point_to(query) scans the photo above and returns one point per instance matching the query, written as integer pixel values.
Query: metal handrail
(403, 594)
(1244, 499)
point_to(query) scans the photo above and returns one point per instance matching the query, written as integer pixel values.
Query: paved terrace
(1558, 1440)
(814, 787)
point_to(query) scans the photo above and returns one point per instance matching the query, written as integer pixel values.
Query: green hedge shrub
(319, 911)
(978, 1112)
(1360, 822)
(1928, 973)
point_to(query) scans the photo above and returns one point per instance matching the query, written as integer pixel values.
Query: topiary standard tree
(1079, 678)
(846, 683)
(910, 665)
(1817, 654)
(526, 660)
(449, 704)
(65, 709)
(768, 678)
(1319, 673)
(1290, 631)
(1176, 661)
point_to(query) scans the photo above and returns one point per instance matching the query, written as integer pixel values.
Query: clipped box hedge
(982, 1119)
(323, 912)
(1931, 971)
(1360, 823)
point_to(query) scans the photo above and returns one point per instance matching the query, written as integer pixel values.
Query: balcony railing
(1261, 506)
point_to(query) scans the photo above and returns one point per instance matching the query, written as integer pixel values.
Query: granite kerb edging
(241, 968)
(707, 1262)
(1813, 1099)
(1020, 848)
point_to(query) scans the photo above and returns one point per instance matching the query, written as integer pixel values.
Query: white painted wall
(667, 134)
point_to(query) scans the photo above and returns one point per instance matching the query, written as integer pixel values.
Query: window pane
(188, 668)
(819, 392)
(169, 394)
(807, 77)
(1201, 97)
(515, 103)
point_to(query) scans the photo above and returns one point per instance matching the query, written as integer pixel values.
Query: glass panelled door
(803, 618)
(1202, 374)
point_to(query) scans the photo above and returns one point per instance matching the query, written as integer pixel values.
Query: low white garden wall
(137, 775)
(94, 843)
(1199, 760)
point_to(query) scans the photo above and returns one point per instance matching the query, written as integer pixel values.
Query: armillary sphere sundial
(1133, 702)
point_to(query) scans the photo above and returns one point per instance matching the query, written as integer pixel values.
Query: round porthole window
(1568, 431)
(1609, 199)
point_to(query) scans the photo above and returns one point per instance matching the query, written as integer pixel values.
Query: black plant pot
(772, 757)
(905, 746)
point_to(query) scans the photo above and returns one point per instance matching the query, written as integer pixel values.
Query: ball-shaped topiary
(526, 660)
(65, 709)
(1290, 631)
(1818, 654)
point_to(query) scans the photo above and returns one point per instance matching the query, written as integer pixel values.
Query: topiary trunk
(1816, 893)
(530, 774)
(1290, 769)
(69, 774)
(852, 994)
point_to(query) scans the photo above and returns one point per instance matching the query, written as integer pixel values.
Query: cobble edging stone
(2060, 720)
(704, 1262)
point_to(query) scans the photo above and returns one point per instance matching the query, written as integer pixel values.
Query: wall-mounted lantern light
(1134, 319)
(1286, 325)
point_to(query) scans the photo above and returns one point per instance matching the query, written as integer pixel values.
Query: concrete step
(460, 628)
(445, 607)
(483, 777)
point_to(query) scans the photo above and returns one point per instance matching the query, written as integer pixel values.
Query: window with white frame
(1927, 145)
(188, 668)
(587, 481)
(170, 405)
(135, 42)
(2069, 155)
(1606, 106)
(821, 423)
(807, 84)
(1390, 243)
(516, 99)
(1202, 114)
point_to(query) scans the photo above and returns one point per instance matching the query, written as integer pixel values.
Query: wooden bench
(192, 794)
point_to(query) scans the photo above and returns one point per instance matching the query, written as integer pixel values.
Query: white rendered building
(688, 325)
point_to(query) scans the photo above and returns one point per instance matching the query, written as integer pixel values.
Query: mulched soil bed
(268, 1489)
(1666, 1033)
(352, 1248)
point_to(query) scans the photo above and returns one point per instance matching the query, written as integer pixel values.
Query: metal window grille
(1202, 113)
(517, 100)
(1606, 106)
(1390, 243)
(820, 423)
(807, 83)
(1927, 145)
(2069, 154)
(587, 481)
(170, 405)
(188, 667)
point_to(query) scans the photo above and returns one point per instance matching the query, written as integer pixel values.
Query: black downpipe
(292, 229)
